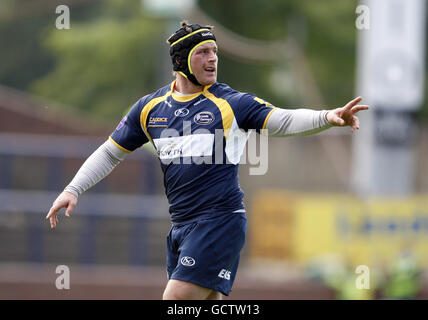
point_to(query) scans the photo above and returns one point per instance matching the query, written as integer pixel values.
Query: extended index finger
(358, 108)
(352, 103)
(53, 210)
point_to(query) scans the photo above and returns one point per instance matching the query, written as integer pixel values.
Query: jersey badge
(204, 118)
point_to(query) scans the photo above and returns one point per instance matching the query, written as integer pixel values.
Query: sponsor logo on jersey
(170, 150)
(196, 145)
(187, 261)
(204, 34)
(182, 112)
(204, 118)
(158, 122)
(224, 274)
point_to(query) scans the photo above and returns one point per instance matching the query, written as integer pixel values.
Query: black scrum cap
(183, 42)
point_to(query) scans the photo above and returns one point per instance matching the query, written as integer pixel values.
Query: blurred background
(336, 216)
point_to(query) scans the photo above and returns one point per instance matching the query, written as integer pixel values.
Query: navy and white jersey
(199, 139)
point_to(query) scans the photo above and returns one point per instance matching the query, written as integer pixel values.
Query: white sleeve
(298, 122)
(96, 167)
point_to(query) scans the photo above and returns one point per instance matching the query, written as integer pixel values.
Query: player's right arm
(95, 168)
(127, 137)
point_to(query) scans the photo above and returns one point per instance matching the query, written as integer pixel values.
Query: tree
(104, 65)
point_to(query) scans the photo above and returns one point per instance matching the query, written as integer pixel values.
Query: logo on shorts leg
(187, 261)
(224, 274)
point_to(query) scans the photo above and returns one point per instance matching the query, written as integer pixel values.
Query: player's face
(204, 63)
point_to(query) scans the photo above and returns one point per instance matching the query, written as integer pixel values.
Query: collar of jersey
(187, 97)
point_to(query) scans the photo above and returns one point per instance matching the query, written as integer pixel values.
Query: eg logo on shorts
(187, 261)
(224, 274)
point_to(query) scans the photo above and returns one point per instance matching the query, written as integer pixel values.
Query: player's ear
(178, 60)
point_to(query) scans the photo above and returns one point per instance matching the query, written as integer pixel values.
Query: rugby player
(183, 121)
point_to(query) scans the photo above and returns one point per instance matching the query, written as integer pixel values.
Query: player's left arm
(302, 122)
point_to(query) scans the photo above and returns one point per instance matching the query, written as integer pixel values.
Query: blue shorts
(206, 252)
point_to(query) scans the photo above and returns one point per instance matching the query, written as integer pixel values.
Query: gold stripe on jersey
(146, 109)
(118, 145)
(261, 101)
(226, 111)
(266, 119)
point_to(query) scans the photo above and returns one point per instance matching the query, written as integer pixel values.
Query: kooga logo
(187, 261)
(204, 34)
